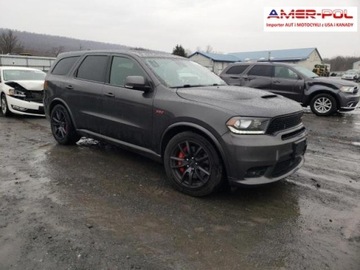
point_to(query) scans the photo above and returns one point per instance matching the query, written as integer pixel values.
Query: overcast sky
(226, 25)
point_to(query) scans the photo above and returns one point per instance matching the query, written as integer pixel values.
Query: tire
(62, 127)
(4, 106)
(192, 164)
(323, 105)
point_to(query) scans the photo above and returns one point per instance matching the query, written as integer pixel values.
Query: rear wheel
(4, 106)
(192, 164)
(323, 105)
(62, 127)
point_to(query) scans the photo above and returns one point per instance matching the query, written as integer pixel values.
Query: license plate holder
(299, 148)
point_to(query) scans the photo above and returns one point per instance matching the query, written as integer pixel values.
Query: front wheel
(4, 106)
(323, 105)
(192, 164)
(62, 127)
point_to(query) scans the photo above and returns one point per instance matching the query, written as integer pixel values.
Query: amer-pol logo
(313, 19)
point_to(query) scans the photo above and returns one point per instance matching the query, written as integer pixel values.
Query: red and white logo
(305, 19)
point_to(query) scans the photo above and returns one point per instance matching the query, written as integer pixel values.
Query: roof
(275, 55)
(279, 55)
(137, 52)
(217, 57)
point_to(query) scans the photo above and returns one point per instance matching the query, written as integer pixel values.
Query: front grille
(284, 122)
(36, 96)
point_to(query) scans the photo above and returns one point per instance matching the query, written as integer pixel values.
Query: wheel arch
(58, 101)
(325, 92)
(177, 128)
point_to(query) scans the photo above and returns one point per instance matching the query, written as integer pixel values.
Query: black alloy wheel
(62, 127)
(192, 164)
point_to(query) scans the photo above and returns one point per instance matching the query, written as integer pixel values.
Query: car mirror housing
(137, 83)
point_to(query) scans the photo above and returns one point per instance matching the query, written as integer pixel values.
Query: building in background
(215, 62)
(306, 57)
(356, 65)
(39, 62)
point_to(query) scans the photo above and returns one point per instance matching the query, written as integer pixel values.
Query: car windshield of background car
(23, 75)
(176, 73)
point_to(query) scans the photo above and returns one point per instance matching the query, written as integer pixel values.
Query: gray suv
(176, 112)
(324, 95)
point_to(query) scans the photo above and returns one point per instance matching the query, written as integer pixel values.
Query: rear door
(258, 76)
(288, 83)
(127, 113)
(85, 92)
(232, 75)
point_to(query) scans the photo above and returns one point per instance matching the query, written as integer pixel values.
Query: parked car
(203, 133)
(324, 95)
(21, 91)
(351, 74)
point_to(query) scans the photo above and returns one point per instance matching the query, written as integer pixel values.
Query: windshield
(23, 75)
(306, 72)
(177, 73)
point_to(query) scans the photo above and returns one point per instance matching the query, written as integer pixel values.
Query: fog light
(18, 108)
(255, 172)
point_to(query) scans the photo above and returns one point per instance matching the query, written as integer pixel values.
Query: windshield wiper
(196, 85)
(188, 86)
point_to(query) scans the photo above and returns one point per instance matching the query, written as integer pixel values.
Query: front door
(127, 113)
(287, 83)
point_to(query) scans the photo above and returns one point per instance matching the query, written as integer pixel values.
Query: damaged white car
(22, 91)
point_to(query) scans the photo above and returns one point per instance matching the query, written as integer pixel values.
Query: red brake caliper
(179, 163)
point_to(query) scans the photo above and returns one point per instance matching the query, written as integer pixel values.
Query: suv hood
(243, 101)
(27, 85)
(335, 83)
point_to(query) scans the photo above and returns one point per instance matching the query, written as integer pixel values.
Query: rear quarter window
(93, 68)
(237, 69)
(64, 65)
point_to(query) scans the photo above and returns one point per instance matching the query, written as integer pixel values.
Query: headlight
(16, 93)
(347, 89)
(247, 125)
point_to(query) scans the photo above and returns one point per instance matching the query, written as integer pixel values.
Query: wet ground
(95, 206)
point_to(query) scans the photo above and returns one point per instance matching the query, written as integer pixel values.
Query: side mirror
(137, 83)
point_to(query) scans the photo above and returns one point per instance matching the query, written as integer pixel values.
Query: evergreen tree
(179, 50)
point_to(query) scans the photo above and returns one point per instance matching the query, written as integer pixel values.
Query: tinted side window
(93, 68)
(284, 72)
(64, 65)
(122, 67)
(237, 69)
(261, 70)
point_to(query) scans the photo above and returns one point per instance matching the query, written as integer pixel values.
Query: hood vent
(269, 96)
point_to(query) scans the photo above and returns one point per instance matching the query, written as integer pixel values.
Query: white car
(352, 74)
(22, 91)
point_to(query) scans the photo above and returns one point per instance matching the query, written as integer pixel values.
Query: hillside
(48, 45)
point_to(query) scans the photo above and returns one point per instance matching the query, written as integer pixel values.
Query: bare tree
(9, 43)
(56, 50)
(209, 49)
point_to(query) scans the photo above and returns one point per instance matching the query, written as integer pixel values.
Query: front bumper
(23, 107)
(348, 102)
(262, 159)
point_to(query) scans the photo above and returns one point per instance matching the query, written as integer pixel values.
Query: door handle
(109, 95)
(69, 86)
(276, 81)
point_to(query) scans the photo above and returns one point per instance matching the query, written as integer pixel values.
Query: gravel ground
(95, 206)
